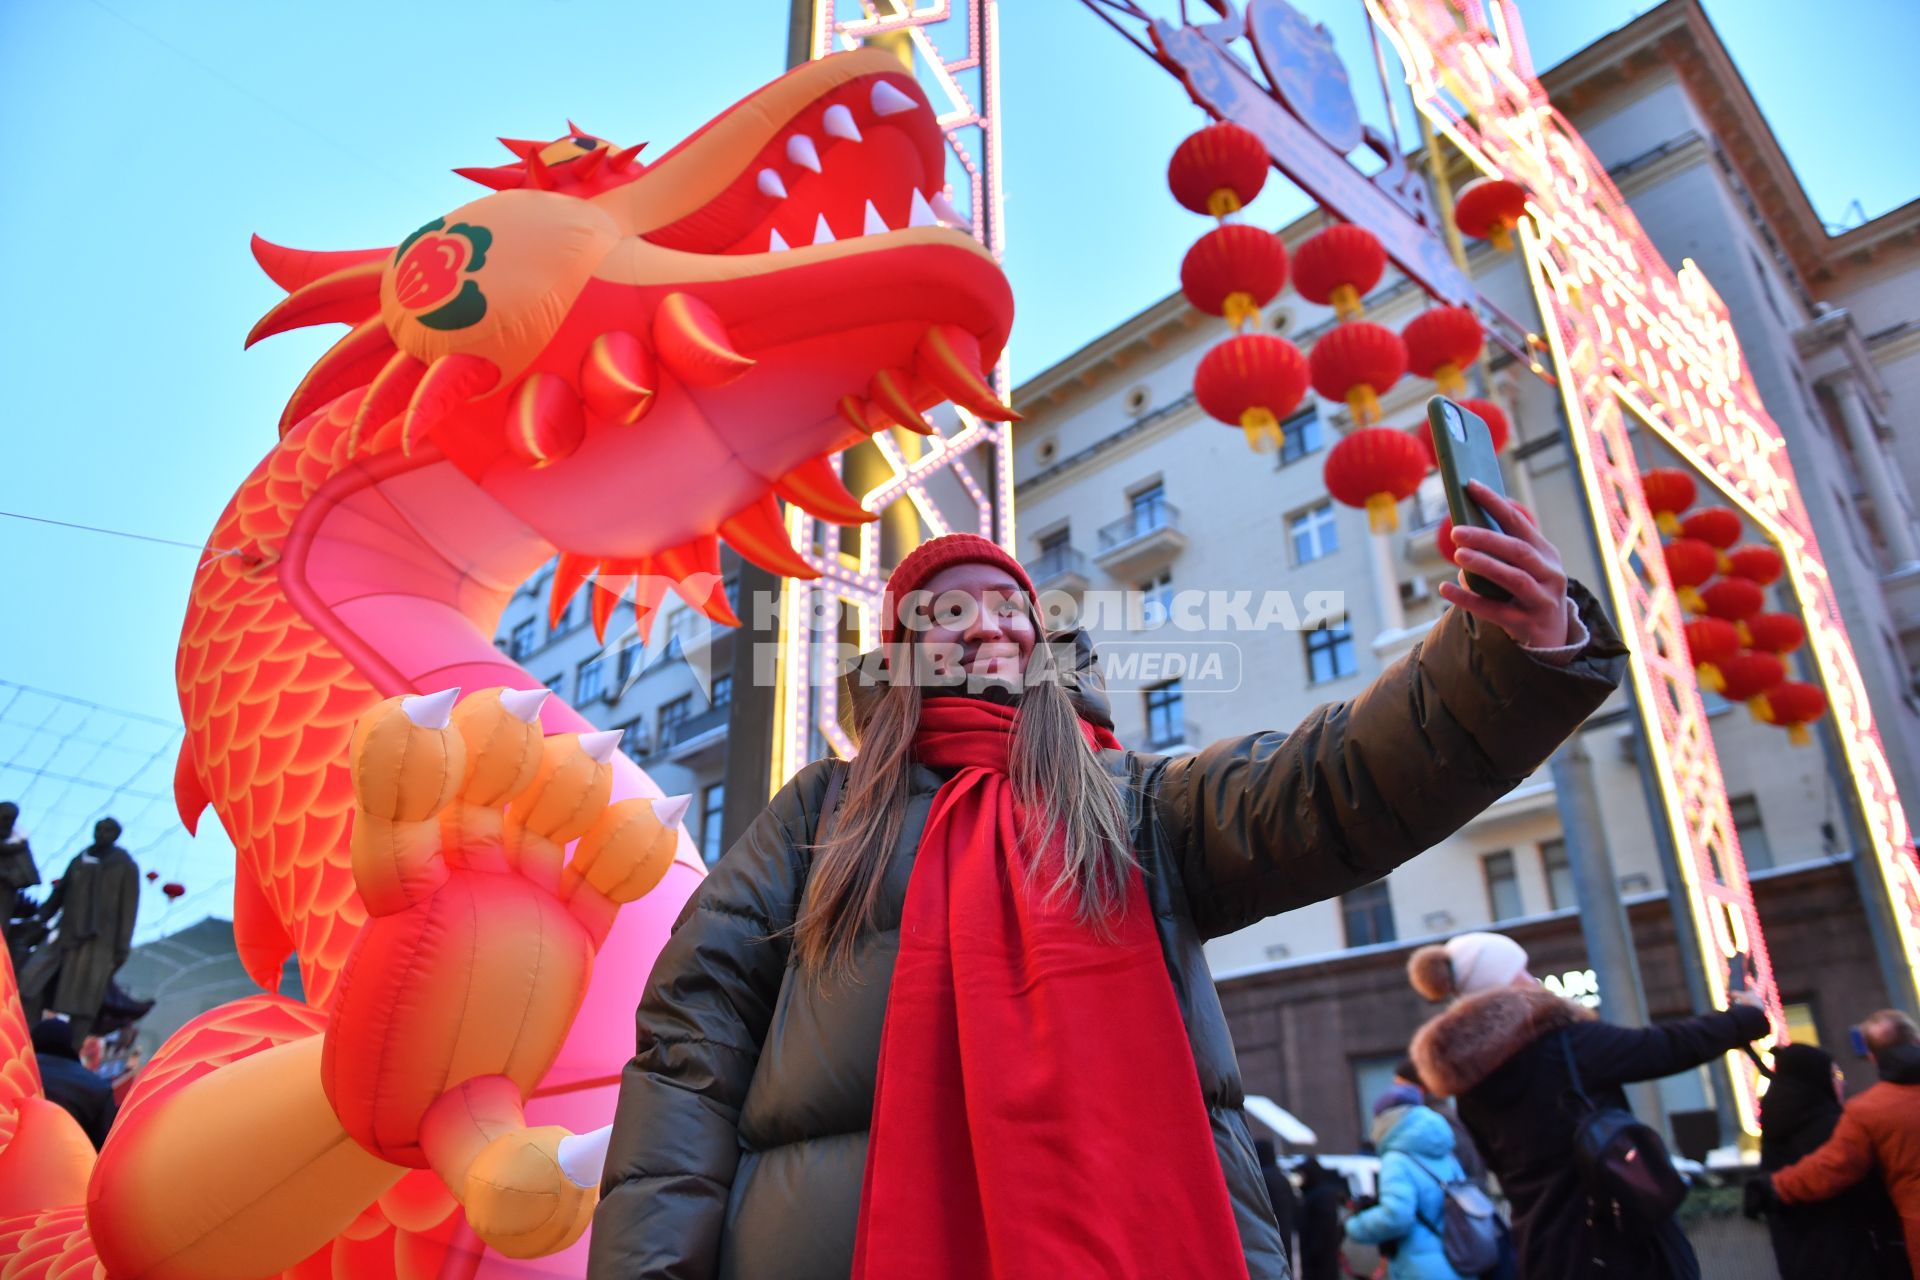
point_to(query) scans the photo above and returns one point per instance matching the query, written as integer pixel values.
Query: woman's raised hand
(1522, 561)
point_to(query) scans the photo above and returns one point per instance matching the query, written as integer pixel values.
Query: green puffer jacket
(741, 1133)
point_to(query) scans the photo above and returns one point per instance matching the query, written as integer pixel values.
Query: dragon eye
(585, 144)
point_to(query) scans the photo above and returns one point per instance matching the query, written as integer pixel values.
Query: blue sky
(149, 140)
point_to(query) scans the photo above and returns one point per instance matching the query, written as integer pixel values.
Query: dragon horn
(853, 411)
(619, 161)
(618, 378)
(693, 343)
(450, 382)
(522, 147)
(949, 357)
(891, 392)
(568, 575)
(572, 127)
(544, 422)
(347, 296)
(758, 532)
(387, 395)
(815, 488)
(507, 177)
(583, 168)
(351, 362)
(537, 171)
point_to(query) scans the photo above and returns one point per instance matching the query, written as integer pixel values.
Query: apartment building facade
(1123, 485)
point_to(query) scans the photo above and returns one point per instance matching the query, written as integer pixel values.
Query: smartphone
(1857, 1039)
(1464, 447)
(1737, 973)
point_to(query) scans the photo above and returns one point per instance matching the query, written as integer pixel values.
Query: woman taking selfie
(964, 1028)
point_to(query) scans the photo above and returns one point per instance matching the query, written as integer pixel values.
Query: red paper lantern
(1711, 642)
(1440, 343)
(1776, 632)
(1793, 705)
(1337, 266)
(1757, 563)
(1669, 491)
(1489, 208)
(173, 889)
(1716, 526)
(152, 876)
(1233, 271)
(1357, 363)
(1690, 563)
(1252, 380)
(1745, 676)
(1218, 170)
(1375, 468)
(1736, 600)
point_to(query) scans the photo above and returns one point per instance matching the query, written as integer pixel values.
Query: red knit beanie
(940, 553)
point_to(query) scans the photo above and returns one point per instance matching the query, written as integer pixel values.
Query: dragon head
(637, 359)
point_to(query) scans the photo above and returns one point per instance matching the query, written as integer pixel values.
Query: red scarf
(1037, 1111)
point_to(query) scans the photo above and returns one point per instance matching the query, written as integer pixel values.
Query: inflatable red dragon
(608, 361)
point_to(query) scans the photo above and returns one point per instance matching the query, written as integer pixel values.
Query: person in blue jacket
(1416, 1162)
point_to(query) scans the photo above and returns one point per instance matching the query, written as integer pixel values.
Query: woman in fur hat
(1501, 1050)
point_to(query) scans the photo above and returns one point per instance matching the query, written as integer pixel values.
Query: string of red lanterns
(1738, 648)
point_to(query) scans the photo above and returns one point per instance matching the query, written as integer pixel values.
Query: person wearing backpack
(1538, 1081)
(1417, 1222)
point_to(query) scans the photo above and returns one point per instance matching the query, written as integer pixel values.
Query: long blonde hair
(1060, 787)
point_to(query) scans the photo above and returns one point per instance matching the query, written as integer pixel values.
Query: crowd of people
(1491, 1162)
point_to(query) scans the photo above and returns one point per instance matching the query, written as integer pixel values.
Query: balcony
(1060, 568)
(695, 740)
(1145, 540)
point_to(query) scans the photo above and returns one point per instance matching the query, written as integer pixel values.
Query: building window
(1055, 540)
(1330, 653)
(1315, 533)
(1430, 503)
(1155, 602)
(1166, 723)
(1149, 508)
(672, 715)
(633, 741)
(1753, 836)
(589, 681)
(524, 637)
(1304, 435)
(712, 802)
(722, 687)
(1367, 914)
(1503, 885)
(631, 651)
(1558, 873)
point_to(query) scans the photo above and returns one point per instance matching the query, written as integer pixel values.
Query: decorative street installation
(613, 363)
(1623, 333)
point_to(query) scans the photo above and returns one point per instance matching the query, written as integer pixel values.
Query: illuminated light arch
(1629, 334)
(955, 47)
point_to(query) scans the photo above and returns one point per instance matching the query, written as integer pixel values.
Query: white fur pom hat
(1470, 963)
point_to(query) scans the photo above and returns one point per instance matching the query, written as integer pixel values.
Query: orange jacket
(1879, 1131)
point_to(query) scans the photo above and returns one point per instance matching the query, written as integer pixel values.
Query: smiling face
(971, 621)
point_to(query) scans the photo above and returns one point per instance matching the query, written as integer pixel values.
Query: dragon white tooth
(524, 704)
(431, 710)
(838, 122)
(920, 213)
(889, 101)
(671, 809)
(944, 210)
(776, 244)
(801, 152)
(875, 225)
(822, 233)
(583, 1156)
(770, 185)
(601, 745)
